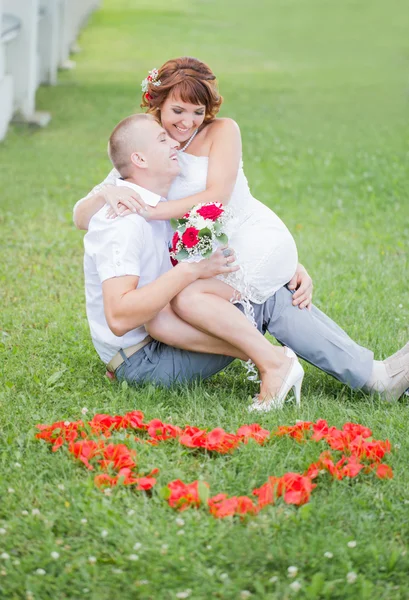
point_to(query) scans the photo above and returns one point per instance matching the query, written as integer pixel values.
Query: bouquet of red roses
(199, 232)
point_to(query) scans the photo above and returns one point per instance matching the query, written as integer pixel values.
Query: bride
(182, 95)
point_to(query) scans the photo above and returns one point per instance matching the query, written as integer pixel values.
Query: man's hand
(302, 284)
(220, 263)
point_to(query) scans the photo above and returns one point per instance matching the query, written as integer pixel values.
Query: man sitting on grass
(131, 289)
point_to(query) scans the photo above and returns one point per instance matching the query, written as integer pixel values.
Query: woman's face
(181, 119)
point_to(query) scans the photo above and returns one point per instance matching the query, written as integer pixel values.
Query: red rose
(210, 211)
(175, 239)
(190, 238)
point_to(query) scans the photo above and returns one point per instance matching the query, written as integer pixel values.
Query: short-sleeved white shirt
(114, 248)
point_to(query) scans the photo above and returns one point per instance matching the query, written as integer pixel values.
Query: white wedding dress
(265, 249)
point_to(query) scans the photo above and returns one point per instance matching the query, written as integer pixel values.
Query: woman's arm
(224, 162)
(85, 208)
(107, 192)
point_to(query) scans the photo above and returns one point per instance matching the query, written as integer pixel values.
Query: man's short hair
(124, 140)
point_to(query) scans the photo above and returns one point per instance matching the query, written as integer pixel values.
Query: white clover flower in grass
(61, 487)
(83, 521)
(292, 571)
(184, 594)
(328, 555)
(164, 548)
(245, 594)
(179, 522)
(5, 556)
(35, 512)
(180, 532)
(137, 546)
(3, 531)
(92, 560)
(40, 572)
(67, 423)
(224, 576)
(24, 513)
(351, 577)
(11, 490)
(351, 544)
(55, 555)
(295, 586)
(273, 579)
(131, 512)
(133, 557)
(84, 410)
(104, 533)
(18, 465)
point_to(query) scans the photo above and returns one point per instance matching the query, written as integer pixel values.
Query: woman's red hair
(188, 79)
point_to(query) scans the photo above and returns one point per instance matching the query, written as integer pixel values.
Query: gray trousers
(311, 334)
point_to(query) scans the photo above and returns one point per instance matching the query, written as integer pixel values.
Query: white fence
(36, 38)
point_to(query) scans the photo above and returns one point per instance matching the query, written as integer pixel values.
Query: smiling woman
(191, 81)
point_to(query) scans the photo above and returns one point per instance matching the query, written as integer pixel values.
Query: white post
(22, 59)
(66, 26)
(75, 14)
(6, 84)
(48, 42)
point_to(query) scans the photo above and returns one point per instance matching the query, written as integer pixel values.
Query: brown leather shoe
(397, 367)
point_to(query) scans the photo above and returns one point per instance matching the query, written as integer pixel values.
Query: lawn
(320, 91)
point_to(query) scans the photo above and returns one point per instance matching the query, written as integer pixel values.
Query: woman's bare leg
(206, 305)
(170, 329)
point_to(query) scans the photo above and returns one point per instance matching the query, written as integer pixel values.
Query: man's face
(160, 151)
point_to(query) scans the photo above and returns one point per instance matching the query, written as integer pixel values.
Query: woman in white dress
(183, 96)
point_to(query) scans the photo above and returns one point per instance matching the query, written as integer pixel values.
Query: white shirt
(114, 248)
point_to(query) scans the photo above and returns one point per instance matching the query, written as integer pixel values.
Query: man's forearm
(138, 306)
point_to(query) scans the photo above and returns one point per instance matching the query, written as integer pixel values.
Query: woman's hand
(123, 201)
(302, 284)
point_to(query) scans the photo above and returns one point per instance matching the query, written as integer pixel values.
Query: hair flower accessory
(152, 78)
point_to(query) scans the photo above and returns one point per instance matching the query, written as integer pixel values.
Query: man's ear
(139, 160)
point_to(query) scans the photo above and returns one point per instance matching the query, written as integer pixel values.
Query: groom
(129, 281)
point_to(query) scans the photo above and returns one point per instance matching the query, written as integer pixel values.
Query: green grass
(320, 90)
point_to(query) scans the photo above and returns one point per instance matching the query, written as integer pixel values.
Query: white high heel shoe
(293, 381)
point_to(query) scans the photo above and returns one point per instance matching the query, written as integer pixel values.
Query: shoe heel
(297, 389)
